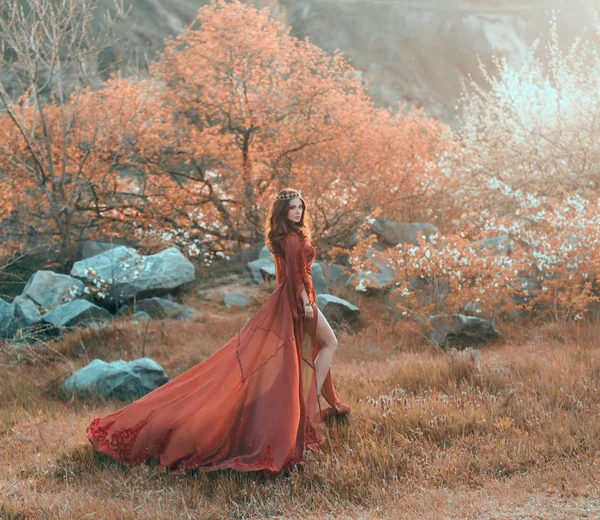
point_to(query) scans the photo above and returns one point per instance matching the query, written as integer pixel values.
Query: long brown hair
(278, 226)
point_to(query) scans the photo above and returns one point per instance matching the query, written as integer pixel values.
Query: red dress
(251, 406)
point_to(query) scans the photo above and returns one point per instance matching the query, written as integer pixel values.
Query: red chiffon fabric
(251, 406)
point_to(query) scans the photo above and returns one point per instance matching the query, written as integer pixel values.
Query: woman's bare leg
(327, 344)
(328, 341)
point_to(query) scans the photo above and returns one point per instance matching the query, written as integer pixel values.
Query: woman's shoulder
(293, 235)
(296, 240)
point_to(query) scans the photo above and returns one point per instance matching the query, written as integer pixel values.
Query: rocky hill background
(416, 51)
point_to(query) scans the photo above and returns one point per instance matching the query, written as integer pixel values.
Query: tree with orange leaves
(245, 109)
(57, 144)
(235, 109)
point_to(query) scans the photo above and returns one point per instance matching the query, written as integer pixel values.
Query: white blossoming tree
(530, 177)
(537, 128)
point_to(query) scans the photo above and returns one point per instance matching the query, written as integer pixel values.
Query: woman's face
(295, 210)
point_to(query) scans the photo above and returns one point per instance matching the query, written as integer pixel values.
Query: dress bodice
(297, 262)
(310, 253)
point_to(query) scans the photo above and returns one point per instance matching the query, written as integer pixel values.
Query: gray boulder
(121, 379)
(337, 310)
(265, 254)
(5, 311)
(319, 283)
(373, 282)
(76, 313)
(130, 274)
(461, 331)
(429, 290)
(392, 233)
(334, 273)
(263, 267)
(25, 311)
(49, 289)
(140, 316)
(91, 248)
(236, 299)
(501, 245)
(528, 287)
(160, 308)
(8, 323)
(426, 291)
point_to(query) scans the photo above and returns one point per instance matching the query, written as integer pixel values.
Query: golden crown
(288, 196)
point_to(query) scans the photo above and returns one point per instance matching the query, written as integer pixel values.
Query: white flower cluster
(195, 242)
(124, 271)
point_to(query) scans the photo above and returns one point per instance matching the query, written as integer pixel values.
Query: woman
(253, 405)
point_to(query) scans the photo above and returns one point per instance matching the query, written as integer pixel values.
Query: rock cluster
(117, 278)
(121, 379)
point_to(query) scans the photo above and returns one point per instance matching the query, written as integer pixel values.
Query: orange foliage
(235, 110)
(545, 261)
(62, 163)
(245, 109)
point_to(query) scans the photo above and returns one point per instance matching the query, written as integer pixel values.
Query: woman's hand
(309, 312)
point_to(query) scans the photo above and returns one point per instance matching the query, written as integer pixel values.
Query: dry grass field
(509, 431)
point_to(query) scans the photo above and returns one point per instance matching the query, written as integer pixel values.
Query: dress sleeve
(297, 269)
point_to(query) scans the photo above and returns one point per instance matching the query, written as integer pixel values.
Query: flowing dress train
(250, 406)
